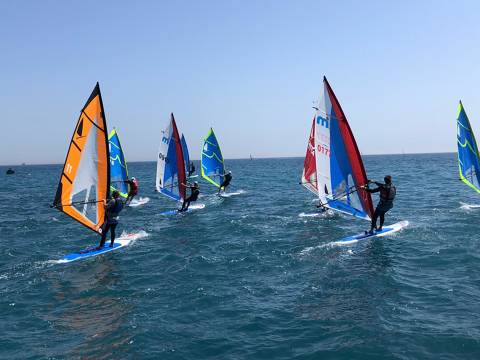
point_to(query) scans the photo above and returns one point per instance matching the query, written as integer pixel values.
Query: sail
(85, 179)
(186, 156)
(171, 177)
(213, 167)
(309, 175)
(118, 165)
(468, 156)
(340, 172)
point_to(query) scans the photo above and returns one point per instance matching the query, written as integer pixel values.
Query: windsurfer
(132, 189)
(226, 181)
(191, 168)
(387, 195)
(112, 208)
(195, 191)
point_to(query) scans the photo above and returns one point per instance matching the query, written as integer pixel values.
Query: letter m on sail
(322, 121)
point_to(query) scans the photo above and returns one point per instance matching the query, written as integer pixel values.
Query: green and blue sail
(212, 162)
(118, 165)
(468, 155)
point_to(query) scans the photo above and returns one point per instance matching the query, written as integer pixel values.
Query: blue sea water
(246, 277)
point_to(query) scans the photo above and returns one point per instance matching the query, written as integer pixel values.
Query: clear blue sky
(250, 69)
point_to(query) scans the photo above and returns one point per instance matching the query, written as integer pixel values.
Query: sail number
(323, 150)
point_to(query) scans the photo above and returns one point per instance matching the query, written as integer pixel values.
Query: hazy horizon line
(243, 158)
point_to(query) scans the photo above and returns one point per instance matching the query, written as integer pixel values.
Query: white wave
(139, 201)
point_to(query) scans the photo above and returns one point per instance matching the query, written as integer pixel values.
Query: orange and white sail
(85, 179)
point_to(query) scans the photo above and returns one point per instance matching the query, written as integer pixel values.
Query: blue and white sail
(212, 163)
(118, 165)
(468, 156)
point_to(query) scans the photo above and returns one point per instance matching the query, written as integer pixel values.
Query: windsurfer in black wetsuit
(387, 195)
(226, 181)
(191, 168)
(112, 208)
(195, 191)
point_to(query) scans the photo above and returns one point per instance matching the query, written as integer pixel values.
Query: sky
(249, 69)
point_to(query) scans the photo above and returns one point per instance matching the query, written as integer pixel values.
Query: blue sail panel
(186, 156)
(118, 165)
(170, 176)
(213, 166)
(468, 156)
(342, 198)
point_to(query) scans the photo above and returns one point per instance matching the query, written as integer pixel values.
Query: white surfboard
(122, 241)
(190, 208)
(230, 194)
(469, 206)
(138, 202)
(387, 230)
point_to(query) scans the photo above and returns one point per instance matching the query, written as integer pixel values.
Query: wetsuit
(226, 181)
(387, 195)
(132, 189)
(193, 197)
(112, 209)
(191, 169)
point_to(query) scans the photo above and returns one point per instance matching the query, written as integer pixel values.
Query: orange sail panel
(85, 179)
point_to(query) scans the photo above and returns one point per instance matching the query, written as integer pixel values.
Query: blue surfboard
(122, 241)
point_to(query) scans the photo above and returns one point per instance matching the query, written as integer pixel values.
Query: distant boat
(468, 156)
(333, 167)
(10, 171)
(251, 157)
(212, 163)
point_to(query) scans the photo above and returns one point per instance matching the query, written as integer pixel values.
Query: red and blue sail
(171, 176)
(341, 176)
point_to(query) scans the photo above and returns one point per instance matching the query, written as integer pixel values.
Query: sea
(252, 276)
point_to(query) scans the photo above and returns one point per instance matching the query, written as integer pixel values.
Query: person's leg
(382, 219)
(188, 204)
(183, 205)
(112, 234)
(104, 236)
(374, 220)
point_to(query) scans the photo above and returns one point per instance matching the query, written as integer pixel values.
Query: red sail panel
(182, 177)
(358, 171)
(309, 176)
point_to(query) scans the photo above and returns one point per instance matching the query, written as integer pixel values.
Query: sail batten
(468, 155)
(212, 162)
(85, 180)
